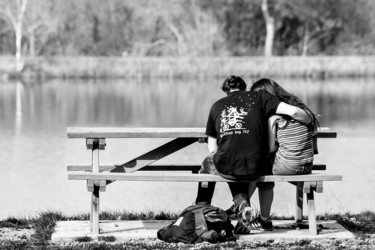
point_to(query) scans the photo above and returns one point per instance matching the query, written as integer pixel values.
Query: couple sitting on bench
(252, 133)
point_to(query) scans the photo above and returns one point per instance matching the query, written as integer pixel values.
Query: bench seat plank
(180, 177)
(108, 167)
(121, 132)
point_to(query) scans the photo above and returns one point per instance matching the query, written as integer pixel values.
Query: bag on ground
(198, 223)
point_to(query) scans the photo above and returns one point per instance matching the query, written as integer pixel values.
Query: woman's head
(233, 82)
(273, 88)
(269, 86)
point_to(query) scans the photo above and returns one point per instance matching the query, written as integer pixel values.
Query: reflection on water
(18, 116)
(34, 150)
(55, 105)
(58, 104)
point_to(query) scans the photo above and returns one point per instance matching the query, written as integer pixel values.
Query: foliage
(188, 27)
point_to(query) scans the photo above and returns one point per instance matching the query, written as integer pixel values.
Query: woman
(291, 142)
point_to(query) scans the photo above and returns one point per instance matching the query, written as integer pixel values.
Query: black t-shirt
(239, 123)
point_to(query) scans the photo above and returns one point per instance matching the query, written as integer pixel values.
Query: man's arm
(294, 112)
(212, 144)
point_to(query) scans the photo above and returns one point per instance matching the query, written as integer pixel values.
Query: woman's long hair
(275, 89)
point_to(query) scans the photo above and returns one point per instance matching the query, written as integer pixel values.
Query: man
(238, 145)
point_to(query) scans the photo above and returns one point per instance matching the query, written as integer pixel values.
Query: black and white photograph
(187, 124)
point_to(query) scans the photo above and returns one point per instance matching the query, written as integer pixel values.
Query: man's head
(233, 83)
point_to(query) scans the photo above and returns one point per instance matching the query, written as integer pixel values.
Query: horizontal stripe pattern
(295, 143)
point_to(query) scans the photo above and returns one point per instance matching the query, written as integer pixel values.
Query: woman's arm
(272, 133)
(294, 112)
(212, 144)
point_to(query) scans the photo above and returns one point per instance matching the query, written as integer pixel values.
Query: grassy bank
(152, 67)
(35, 233)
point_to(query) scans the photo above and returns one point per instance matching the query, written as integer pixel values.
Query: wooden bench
(99, 176)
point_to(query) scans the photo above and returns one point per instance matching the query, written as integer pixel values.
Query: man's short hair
(233, 82)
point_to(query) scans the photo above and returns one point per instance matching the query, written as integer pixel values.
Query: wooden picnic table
(99, 176)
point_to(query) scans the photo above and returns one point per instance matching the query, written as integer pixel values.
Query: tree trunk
(306, 38)
(32, 44)
(180, 40)
(270, 28)
(19, 59)
(21, 8)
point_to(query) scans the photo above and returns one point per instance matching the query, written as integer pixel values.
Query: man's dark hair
(233, 82)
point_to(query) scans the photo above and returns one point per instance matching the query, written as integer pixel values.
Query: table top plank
(154, 132)
(122, 132)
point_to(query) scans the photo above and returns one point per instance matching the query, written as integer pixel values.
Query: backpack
(198, 223)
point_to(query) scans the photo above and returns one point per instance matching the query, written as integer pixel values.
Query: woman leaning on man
(290, 142)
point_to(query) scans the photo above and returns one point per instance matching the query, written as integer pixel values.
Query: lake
(34, 148)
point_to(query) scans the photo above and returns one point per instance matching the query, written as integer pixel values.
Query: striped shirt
(295, 143)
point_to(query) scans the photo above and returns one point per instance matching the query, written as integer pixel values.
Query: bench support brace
(152, 156)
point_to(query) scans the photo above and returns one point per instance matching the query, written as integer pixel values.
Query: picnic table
(98, 176)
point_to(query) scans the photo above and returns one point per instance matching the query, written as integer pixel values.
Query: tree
(93, 28)
(270, 27)
(321, 21)
(313, 26)
(186, 27)
(357, 35)
(28, 19)
(243, 26)
(14, 12)
(40, 22)
(183, 26)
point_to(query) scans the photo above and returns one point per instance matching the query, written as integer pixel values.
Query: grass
(146, 215)
(13, 222)
(361, 224)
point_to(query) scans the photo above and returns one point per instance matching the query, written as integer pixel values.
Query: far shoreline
(320, 67)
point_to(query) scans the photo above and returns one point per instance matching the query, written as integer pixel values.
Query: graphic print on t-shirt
(232, 119)
(233, 115)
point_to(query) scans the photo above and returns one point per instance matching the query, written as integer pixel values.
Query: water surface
(34, 149)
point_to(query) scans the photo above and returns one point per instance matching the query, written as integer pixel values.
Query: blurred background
(144, 63)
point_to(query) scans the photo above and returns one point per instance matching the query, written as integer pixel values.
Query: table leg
(299, 203)
(95, 211)
(95, 145)
(312, 216)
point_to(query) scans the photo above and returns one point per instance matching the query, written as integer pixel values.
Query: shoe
(264, 225)
(246, 213)
(241, 228)
(244, 217)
